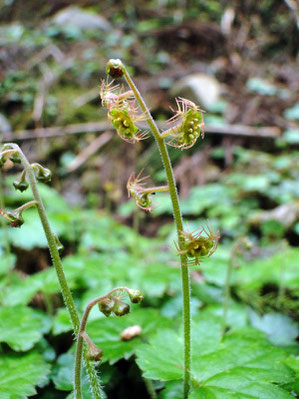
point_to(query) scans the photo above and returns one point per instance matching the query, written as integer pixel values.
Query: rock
(200, 88)
(286, 214)
(81, 19)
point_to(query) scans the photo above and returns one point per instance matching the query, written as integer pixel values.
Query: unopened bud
(21, 183)
(94, 352)
(121, 308)
(136, 296)
(114, 68)
(15, 157)
(15, 218)
(42, 174)
(106, 306)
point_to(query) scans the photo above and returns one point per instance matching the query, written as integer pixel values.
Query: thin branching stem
(66, 293)
(151, 190)
(179, 226)
(3, 224)
(80, 337)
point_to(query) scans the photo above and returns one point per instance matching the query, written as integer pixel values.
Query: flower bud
(190, 124)
(15, 218)
(21, 183)
(114, 68)
(197, 246)
(94, 352)
(123, 123)
(121, 308)
(106, 306)
(15, 157)
(42, 174)
(136, 296)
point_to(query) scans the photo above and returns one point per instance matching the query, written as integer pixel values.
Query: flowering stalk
(14, 152)
(108, 304)
(116, 68)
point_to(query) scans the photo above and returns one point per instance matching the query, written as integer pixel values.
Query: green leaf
(293, 363)
(63, 375)
(283, 265)
(291, 136)
(7, 262)
(163, 358)
(237, 315)
(63, 372)
(19, 374)
(105, 332)
(21, 327)
(240, 387)
(280, 329)
(172, 390)
(292, 113)
(61, 322)
(155, 279)
(240, 366)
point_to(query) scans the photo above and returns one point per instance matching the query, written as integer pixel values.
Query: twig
(98, 127)
(93, 147)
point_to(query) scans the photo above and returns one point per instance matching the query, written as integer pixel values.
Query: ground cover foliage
(261, 318)
(246, 187)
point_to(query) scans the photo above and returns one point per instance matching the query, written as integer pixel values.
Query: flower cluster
(12, 152)
(142, 195)
(135, 187)
(198, 245)
(189, 124)
(114, 304)
(122, 112)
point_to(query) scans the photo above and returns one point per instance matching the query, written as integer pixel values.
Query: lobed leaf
(21, 327)
(19, 374)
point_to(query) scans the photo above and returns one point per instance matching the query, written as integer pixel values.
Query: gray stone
(81, 19)
(286, 214)
(200, 88)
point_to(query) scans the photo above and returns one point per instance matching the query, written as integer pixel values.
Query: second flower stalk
(186, 127)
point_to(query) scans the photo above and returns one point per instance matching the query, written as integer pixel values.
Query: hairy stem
(226, 294)
(79, 347)
(66, 293)
(179, 226)
(3, 224)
